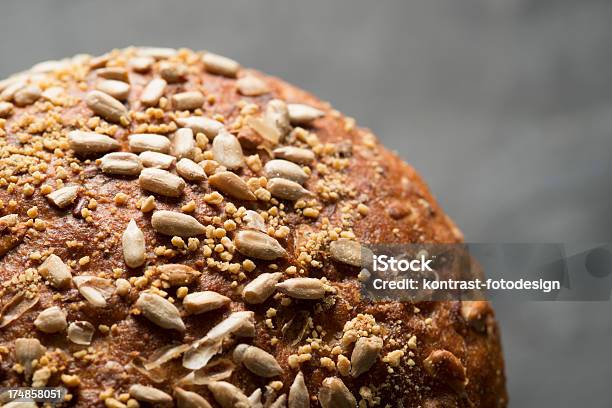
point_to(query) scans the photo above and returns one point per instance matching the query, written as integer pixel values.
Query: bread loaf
(175, 230)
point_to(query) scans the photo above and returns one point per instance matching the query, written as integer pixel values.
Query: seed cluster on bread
(177, 230)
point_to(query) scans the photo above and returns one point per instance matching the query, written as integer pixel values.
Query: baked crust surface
(434, 354)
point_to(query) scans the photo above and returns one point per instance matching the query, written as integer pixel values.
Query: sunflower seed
(156, 52)
(161, 182)
(16, 307)
(285, 169)
(227, 150)
(302, 288)
(94, 289)
(445, 366)
(56, 272)
(294, 154)
(27, 95)
(266, 129)
(298, 393)
(53, 94)
(113, 73)
(188, 100)
(178, 274)
(6, 108)
(148, 394)
(252, 86)
(286, 189)
(152, 93)
(51, 320)
(20, 404)
(141, 142)
(160, 311)
(258, 361)
(117, 89)
(334, 394)
(121, 164)
(277, 113)
(157, 160)
(261, 288)
(200, 302)
(133, 242)
(175, 223)
(141, 64)
(8, 221)
(228, 395)
(254, 221)
(189, 399)
(303, 114)
(190, 170)
(219, 65)
(173, 72)
(281, 402)
(365, 354)
(230, 183)
(106, 106)
(91, 143)
(258, 245)
(81, 332)
(63, 197)
(201, 124)
(183, 144)
(26, 351)
(346, 251)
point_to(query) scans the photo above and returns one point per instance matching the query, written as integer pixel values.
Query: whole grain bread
(177, 229)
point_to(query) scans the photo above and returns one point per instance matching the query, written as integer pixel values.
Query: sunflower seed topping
(175, 223)
(133, 242)
(81, 332)
(117, 89)
(266, 129)
(113, 73)
(157, 160)
(258, 361)
(294, 154)
(152, 93)
(334, 394)
(173, 72)
(188, 100)
(157, 53)
(161, 182)
(121, 164)
(27, 95)
(261, 288)
(91, 143)
(160, 311)
(141, 142)
(106, 106)
(94, 289)
(219, 65)
(190, 170)
(63, 197)
(302, 288)
(230, 183)
(56, 272)
(346, 251)
(148, 394)
(285, 169)
(177, 274)
(200, 302)
(286, 189)
(6, 108)
(141, 64)
(228, 395)
(258, 245)
(227, 150)
(189, 399)
(26, 351)
(303, 114)
(183, 143)
(298, 393)
(252, 86)
(51, 320)
(254, 221)
(365, 354)
(201, 124)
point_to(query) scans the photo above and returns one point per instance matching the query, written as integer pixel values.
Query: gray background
(505, 107)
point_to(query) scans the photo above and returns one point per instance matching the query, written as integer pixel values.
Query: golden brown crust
(359, 191)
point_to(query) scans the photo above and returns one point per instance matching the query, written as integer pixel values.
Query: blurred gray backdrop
(504, 106)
